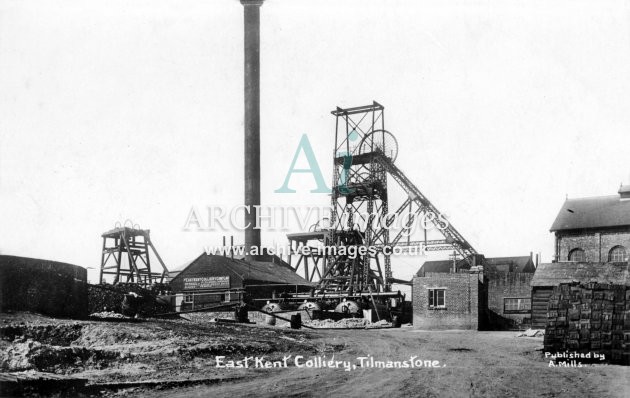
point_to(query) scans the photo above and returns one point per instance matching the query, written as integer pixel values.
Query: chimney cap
(252, 2)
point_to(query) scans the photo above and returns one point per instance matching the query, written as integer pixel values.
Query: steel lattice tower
(364, 155)
(359, 199)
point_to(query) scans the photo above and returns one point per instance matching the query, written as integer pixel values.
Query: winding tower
(351, 252)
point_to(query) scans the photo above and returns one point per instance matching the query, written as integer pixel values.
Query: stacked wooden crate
(590, 317)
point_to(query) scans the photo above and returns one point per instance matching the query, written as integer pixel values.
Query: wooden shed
(211, 280)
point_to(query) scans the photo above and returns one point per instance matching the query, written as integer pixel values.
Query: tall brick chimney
(251, 14)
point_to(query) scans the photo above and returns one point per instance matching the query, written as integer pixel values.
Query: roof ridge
(592, 197)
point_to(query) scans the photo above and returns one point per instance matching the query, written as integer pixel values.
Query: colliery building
(452, 300)
(595, 229)
(210, 281)
(455, 295)
(592, 242)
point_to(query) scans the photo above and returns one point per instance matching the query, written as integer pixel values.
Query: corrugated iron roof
(595, 212)
(552, 274)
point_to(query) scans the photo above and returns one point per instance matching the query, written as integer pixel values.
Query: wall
(209, 298)
(257, 294)
(503, 285)
(199, 269)
(462, 299)
(540, 301)
(204, 296)
(209, 294)
(590, 243)
(48, 287)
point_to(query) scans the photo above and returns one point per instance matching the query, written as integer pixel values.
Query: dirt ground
(476, 364)
(179, 359)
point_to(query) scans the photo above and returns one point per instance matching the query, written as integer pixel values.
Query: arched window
(577, 255)
(617, 254)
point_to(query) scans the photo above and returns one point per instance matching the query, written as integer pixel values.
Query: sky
(133, 110)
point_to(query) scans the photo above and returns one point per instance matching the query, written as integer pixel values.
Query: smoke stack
(251, 13)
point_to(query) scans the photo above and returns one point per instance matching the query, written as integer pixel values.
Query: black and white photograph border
(206, 198)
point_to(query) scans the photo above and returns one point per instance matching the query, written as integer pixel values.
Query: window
(517, 305)
(577, 255)
(188, 298)
(226, 297)
(617, 254)
(436, 298)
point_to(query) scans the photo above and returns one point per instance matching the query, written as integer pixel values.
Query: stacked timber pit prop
(590, 318)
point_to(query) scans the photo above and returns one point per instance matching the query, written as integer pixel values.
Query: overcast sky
(115, 110)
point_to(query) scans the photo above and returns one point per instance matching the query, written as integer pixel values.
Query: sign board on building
(207, 282)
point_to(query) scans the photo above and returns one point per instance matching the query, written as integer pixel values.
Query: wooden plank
(374, 303)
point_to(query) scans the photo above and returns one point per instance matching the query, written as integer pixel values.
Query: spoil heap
(346, 323)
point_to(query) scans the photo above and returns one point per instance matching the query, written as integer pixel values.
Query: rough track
(477, 364)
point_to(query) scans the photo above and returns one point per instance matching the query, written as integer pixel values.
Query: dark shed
(210, 280)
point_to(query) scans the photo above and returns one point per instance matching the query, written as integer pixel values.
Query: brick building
(509, 291)
(595, 229)
(500, 264)
(497, 298)
(447, 300)
(509, 300)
